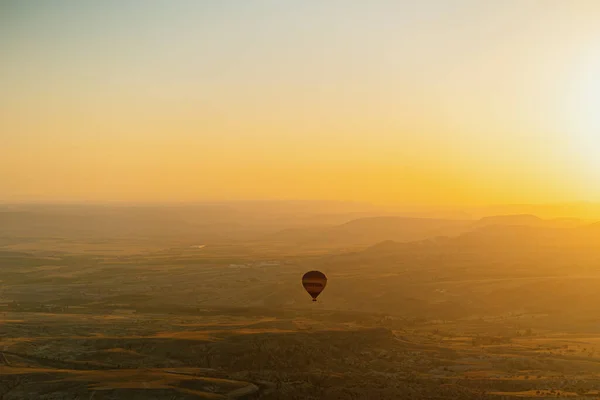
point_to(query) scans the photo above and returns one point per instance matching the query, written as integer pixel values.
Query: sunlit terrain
(499, 307)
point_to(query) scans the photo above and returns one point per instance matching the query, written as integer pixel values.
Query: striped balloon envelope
(314, 282)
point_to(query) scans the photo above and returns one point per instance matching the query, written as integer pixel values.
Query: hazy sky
(426, 101)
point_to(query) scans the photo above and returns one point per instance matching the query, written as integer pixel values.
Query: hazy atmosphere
(440, 102)
(296, 200)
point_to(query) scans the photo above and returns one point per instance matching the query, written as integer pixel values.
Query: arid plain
(205, 301)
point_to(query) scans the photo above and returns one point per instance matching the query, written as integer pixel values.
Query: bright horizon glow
(432, 102)
(586, 113)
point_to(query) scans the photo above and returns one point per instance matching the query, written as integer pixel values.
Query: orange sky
(441, 102)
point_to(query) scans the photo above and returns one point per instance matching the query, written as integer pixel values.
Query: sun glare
(585, 115)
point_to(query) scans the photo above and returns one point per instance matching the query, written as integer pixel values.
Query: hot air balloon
(314, 282)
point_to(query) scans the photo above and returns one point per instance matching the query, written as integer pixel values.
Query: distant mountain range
(504, 238)
(289, 227)
(369, 231)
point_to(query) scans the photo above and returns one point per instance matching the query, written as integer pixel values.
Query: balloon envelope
(314, 282)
